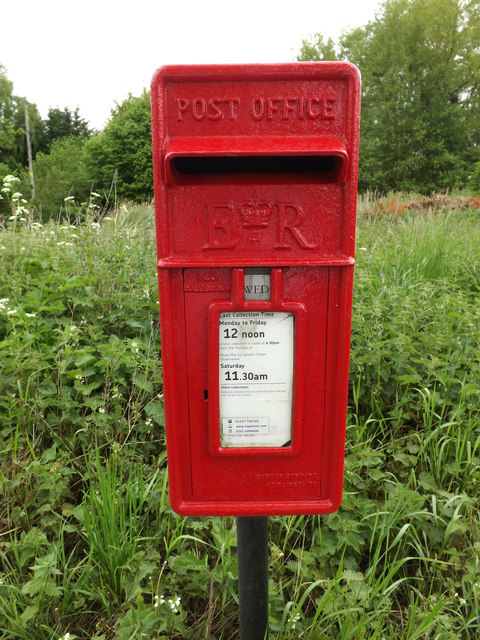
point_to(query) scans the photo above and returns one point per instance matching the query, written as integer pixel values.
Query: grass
(88, 543)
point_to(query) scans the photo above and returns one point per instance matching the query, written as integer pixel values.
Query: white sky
(91, 53)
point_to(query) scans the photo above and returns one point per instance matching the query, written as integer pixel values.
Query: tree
(122, 152)
(8, 124)
(420, 64)
(13, 148)
(63, 124)
(61, 173)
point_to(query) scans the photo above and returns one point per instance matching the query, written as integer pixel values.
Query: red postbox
(255, 170)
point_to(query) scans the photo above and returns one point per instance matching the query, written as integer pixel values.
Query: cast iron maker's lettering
(259, 108)
(288, 481)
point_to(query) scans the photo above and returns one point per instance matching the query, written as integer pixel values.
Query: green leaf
(48, 388)
(28, 613)
(84, 359)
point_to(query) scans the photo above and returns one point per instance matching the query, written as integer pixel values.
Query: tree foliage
(121, 155)
(9, 128)
(61, 173)
(68, 161)
(63, 123)
(420, 65)
(59, 124)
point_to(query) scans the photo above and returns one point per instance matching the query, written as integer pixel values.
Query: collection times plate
(256, 378)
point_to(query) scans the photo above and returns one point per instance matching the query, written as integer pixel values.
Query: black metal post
(252, 548)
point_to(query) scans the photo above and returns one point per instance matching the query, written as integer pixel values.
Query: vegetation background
(89, 547)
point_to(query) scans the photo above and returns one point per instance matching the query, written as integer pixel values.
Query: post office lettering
(200, 109)
(293, 108)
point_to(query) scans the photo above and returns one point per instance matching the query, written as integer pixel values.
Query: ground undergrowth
(89, 547)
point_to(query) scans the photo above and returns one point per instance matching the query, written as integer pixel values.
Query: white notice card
(256, 378)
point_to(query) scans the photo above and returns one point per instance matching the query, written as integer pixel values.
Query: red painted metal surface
(255, 166)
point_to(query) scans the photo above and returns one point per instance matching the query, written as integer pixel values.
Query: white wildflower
(31, 315)
(293, 621)
(69, 198)
(9, 179)
(11, 312)
(158, 601)
(174, 604)
(134, 347)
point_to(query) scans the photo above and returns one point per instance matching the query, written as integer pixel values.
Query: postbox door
(281, 472)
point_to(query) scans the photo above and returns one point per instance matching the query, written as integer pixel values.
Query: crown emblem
(255, 212)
